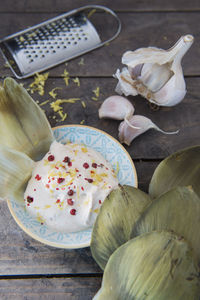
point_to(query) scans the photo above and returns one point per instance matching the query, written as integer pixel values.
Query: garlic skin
(154, 73)
(139, 124)
(117, 108)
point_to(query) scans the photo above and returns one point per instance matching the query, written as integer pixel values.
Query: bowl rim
(71, 246)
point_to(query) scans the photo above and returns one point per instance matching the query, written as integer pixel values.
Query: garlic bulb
(138, 125)
(116, 107)
(154, 73)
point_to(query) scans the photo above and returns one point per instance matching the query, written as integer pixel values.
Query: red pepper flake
(82, 188)
(70, 201)
(53, 178)
(58, 201)
(60, 180)
(73, 212)
(34, 190)
(47, 186)
(100, 202)
(69, 164)
(29, 199)
(51, 158)
(70, 192)
(63, 189)
(106, 168)
(38, 177)
(86, 165)
(28, 204)
(56, 168)
(77, 170)
(90, 180)
(94, 165)
(57, 189)
(92, 172)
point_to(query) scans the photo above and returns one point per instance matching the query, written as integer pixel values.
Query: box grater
(55, 41)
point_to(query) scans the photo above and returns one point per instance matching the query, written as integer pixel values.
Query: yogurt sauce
(68, 186)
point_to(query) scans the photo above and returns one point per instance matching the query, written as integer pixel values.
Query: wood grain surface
(30, 270)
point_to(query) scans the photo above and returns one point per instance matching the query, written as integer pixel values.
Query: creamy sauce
(68, 186)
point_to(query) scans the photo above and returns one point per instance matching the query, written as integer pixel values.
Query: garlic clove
(125, 84)
(116, 107)
(140, 124)
(154, 73)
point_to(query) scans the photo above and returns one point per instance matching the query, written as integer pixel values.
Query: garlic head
(154, 73)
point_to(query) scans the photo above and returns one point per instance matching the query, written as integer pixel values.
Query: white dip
(68, 186)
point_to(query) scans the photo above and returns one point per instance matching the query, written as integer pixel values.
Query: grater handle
(107, 10)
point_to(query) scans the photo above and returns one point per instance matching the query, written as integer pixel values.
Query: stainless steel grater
(56, 40)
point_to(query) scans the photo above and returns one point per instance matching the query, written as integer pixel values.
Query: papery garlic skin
(154, 73)
(117, 108)
(137, 125)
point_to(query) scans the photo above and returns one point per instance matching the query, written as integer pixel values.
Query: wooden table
(28, 269)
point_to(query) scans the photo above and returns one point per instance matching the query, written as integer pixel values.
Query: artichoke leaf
(23, 125)
(114, 223)
(15, 171)
(156, 265)
(177, 210)
(179, 169)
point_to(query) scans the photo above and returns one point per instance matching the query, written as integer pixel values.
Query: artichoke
(26, 136)
(114, 223)
(177, 210)
(153, 266)
(23, 125)
(179, 169)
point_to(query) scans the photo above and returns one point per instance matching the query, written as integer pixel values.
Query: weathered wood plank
(20, 254)
(49, 288)
(138, 30)
(150, 145)
(129, 5)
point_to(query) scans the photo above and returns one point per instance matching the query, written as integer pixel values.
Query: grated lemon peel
(77, 81)
(52, 92)
(81, 62)
(97, 93)
(66, 77)
(39, 83)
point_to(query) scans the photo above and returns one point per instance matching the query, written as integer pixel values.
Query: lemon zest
(81, 62)
(83, 104)
(97, 91)
(44, 102)
(52, 92)
(66, 77)
(77, 81)
(91, 12)
(39, 83)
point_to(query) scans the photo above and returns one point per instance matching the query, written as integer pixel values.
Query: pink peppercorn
(73, 212)
(29, 199)
(70, 201)
(70, 192)
(60, 180)
(85, 165)
(66, 159)
(51, 157)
